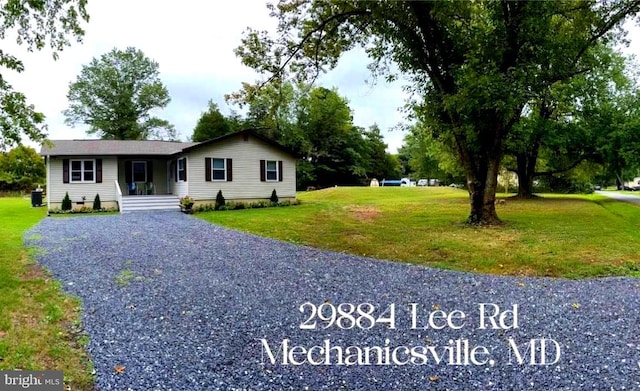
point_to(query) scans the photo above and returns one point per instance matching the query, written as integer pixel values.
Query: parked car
(456, 185)
(597, 187)
(423, 182)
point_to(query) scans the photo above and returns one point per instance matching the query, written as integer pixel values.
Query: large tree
(115, 94)
(212, 124)
(21, 169)
(473, 66)
(556, 135)
(34, 24)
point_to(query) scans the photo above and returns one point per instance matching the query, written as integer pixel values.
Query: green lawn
(558, 235)
(39, 325)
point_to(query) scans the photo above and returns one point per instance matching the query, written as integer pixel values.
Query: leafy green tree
(211, 124)
(21, 169)
(115, 94)
(35, 24)
(473, 65)
(427, 158)
(553, 137)
(378, 163)
(332, 145)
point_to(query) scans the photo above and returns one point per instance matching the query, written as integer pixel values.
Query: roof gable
(244, 133)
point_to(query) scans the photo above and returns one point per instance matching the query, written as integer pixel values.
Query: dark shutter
(149, 171)
(185, 169)
(65, 170)
(128, 171)
(207, 169)
(229, 171)
(263, 177)
(98, 170)
(280, 170)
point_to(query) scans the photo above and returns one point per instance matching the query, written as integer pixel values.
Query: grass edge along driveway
(40, 326)
(572, 236)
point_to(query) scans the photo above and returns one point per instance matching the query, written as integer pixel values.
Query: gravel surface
(185, 305)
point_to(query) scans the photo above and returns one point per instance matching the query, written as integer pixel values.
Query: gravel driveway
(185, 305)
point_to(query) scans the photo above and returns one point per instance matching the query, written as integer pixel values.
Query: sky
(193, 43)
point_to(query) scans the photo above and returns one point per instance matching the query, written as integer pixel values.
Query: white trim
(183, 169)
(133, 179)
(266, 171)
(82, 170)
(224, 169)
(48, 166)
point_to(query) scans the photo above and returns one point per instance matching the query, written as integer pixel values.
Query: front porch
(145, 176)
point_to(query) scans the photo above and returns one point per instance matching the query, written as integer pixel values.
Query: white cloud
(193, 43)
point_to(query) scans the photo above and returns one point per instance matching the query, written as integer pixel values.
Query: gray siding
(246, 184)
(56, 188)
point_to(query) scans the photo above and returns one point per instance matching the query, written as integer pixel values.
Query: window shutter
(98, 170)
(128, 171)
(185, 169)
(207, 169)
(263, 177)
(229, 170)
(280, 171)
(176, 169)
(65, 171)
(149, 171)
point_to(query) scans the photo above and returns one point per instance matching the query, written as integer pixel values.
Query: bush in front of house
(96, 203)
(82, 210)
(66, 202)
(219, 200)
(274, 197)
(242, 205)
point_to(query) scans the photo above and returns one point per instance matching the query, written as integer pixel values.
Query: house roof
(112, 147)
(244, 133)
(140, 147)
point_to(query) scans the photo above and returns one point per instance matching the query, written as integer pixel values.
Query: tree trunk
(526, 172)
(482, 180)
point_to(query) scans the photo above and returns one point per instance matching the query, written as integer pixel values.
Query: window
(139, 171)
(219, 169)
(83, 171)
(272, 170)
(182, 169)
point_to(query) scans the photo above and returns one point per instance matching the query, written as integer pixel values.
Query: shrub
(274, 197)
(96, 203)
(66, 202)
(219, 200)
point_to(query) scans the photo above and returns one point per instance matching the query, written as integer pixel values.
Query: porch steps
(149, 203)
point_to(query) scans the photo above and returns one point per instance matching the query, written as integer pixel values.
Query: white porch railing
(118, 195)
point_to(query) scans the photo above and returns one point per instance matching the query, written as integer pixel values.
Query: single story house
(148, 174)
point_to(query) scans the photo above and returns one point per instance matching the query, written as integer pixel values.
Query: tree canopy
(115, 94)
(211, 124)
(21, 169)
(472, 66)
(35, 25)
(317, 124)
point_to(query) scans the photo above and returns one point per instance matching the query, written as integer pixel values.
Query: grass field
(561, 236)
(39, 326)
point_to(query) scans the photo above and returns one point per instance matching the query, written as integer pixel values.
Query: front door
(138, 175)
(139, 171)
